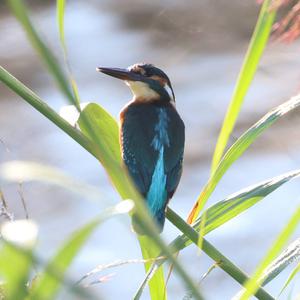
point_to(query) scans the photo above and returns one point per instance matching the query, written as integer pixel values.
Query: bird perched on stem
(151, 135)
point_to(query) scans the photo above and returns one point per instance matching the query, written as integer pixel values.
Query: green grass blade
(157, 286)
(254, 52)
(223, 262)
(234, 205)
(46, 286)
(225, 210)
(60, 15)
(290, 278)
(20, 12)
(257, 278)
(238, 148)
(290, 255)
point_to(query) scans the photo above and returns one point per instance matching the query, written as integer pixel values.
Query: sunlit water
(203, 84)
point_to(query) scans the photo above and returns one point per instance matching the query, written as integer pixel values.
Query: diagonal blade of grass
(222, 212)
(238, 148)
(60, 15)
(46, 286)
(35, 261)
(222, 261)
(20, 12)
(290, 255)
(253, 55)
(257, 278)
(290, 278)
(239, 202)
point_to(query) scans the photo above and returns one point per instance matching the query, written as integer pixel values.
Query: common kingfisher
(151, 135)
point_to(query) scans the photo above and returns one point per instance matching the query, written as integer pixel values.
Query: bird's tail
(159, 219)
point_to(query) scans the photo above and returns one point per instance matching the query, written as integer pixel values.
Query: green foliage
(15, 268)
(106, 128)
(239, 147)
(46, 286)
(20, 12)
(222, 212)
(290, 278)
(251, 60)
(257, 278)
(99, 136)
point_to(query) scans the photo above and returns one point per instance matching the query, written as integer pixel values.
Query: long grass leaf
(238, 148)
(257, 278)
(20, 11)
(239, 202)
(157, 285)
(46, 287)
(222, 212)
(60, 14)
(290, 278)
(290, 255)
(253, 55)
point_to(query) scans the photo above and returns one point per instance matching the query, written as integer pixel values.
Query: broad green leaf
(20, 11)
(47, 286)
(290, 278)
(238, 148)
(253, 55)
(106, 128)
(257, 278)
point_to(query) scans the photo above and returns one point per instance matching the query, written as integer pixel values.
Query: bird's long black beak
(123, 74)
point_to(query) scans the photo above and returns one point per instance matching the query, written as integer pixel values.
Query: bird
(152, 136)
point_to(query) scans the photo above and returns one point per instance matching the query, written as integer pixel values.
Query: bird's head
(147, 82)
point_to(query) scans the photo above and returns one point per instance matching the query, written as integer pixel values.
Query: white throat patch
(142, 91)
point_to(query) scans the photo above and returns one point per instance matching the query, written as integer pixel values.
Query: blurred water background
(200, 45)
